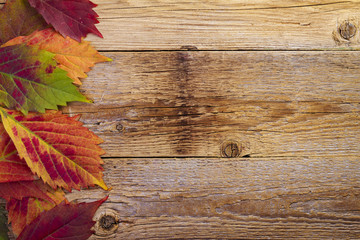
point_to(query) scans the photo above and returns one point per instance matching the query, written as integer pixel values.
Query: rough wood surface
(190, 103)
(288, 121)
(225, 24)
(272, 198)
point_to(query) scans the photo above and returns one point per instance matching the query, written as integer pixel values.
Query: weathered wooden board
(191, 103)
(168, 116)
(272, 198)
(225, 24)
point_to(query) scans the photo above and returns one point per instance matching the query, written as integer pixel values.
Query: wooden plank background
(227, 119)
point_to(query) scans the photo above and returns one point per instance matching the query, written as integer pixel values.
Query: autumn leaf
(21, 189)
(65, 221)
(30, 80)
(22, 212)
(3, 226)
(74, 57)
(18, 18)
(57, 148)
(12, 168)
(74, 18)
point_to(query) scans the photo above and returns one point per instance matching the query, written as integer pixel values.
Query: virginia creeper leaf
(74, 57)
(21, 189)
(12, 168)
(73, 18)
(30, 80)
(18, 18)
(23, 212)
(3, 226)
(65, 221)
(57, 148)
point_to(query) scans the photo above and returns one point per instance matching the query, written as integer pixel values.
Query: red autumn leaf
(22, 212)
(74, 57)
(12, 168)
(65, 221)
(57, 148)
(18, 18)
(75, 18)
(21, 189)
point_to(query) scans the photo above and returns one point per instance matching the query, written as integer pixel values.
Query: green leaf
(3, 226)
(31, 81)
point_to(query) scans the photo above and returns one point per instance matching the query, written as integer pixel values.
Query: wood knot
(119, 127)
(107, 223)
(230, 149)
(347, 30)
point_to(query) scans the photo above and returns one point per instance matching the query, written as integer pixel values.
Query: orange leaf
(23, 212)
(74, 57)
(57, 148)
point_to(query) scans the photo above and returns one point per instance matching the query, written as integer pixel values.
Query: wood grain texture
(273, 198)
(225, 24)
(290, 118)
(190, 103)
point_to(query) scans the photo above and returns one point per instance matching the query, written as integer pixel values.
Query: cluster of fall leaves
(43, 152)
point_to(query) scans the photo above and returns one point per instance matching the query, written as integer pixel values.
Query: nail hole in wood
(347, 30)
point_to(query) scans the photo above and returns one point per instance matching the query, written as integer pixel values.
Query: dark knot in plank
(230, 149)
(347, 30)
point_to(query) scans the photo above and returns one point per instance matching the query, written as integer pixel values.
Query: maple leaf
(57, 148)
(23, 211)
(65, 221)
(3, 226)
(30, 80)
(74, 57)
(18, 18)
(12, 168)
(75, 18)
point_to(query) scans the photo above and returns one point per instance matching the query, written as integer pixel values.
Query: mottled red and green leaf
(74, 57)
(30, 80)
(57, 148)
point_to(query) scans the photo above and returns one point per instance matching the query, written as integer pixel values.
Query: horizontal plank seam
(229, 50)
(244, 158)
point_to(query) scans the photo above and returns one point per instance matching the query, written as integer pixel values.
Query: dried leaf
(74, 57)
(74, 18)
(30, 80)
(57, 148)
(65, 221)
(18, 18)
